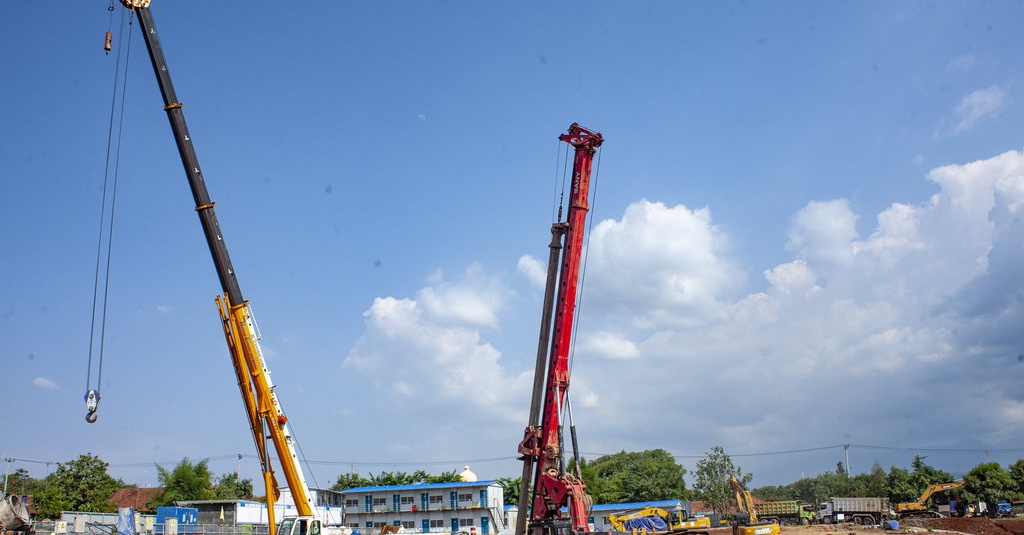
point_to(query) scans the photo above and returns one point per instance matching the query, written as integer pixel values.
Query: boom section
(266, 417)
(554, 488)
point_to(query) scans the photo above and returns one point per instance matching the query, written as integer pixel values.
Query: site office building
(471, 507)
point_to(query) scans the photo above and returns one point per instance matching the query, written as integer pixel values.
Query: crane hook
(107, 42)
(92, 402)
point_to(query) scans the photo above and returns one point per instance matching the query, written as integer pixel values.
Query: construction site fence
(92, 528)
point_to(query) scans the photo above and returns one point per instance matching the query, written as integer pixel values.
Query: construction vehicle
(747, 522)
(541, 450)
(785, 512)
(920, 507)
(14, 517)
(863, 511)
(656, 519)
(262, 406)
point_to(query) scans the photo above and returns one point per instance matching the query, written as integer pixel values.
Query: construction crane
(920, 507)
(262, 406)
(542, 452)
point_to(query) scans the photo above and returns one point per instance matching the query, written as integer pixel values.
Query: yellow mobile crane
(266, 417)
(745, 503)
(920, 507)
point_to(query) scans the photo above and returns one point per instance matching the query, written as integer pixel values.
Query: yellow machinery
(267, 419)
(675, 521)
(745, 503)
(920, 507)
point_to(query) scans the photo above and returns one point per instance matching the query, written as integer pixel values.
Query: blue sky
(806, 226)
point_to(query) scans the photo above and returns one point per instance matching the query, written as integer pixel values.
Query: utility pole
(846, 451)
(7, 473)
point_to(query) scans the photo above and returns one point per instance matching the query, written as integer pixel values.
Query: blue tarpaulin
(650, 523)
(125, 521)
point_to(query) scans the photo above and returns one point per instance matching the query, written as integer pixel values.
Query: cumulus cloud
(43, 382)
(828, 345)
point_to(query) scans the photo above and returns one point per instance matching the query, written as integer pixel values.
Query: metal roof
(421, 486)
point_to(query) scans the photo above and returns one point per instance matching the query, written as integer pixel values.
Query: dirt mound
(974, 526)
(970, 526)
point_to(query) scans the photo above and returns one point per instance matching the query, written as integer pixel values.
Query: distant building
(327, 504)
(475, 507)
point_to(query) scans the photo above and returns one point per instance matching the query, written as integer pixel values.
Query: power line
(504, 458)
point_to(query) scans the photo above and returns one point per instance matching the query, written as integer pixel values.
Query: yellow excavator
(656, 519)
(920, 507)
(747, 523)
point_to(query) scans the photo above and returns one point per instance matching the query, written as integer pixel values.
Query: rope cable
(92, 395)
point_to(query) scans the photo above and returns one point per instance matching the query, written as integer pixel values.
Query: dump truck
(14, 517)
(864, 511)
(786, 512)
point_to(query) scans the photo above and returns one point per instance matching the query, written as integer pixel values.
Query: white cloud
(660, 264)
(474, 300)
(43, 382)
(531, 268)
(843, 335)
(978, 105)
(962, 63)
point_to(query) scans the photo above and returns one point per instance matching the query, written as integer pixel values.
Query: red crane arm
(553, 488)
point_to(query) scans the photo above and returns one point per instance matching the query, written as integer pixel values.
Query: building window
(436, 499)
(436, 523)
(465, 522)
(407, 500)
(379, 501)
(379, 524)
(408, 524)
(351, 503)
(465, 497)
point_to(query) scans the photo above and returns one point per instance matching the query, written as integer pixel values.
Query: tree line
(651, 475)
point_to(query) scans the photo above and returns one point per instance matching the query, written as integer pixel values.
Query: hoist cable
(92, 395)
(557, 204)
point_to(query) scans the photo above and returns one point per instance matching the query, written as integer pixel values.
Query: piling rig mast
(542, 449)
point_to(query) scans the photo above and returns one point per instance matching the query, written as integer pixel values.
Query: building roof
(664, 504)
(421, 486)
(139, 499)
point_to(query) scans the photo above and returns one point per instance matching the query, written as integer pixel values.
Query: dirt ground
(972, 526)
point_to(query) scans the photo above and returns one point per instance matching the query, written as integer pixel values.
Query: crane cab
(299, 525)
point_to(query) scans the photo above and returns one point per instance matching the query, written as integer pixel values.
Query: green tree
(451, 476)
(230, 487)
(874, 483)
(79, 485)
(1017, 474)
(712, 483)
(510, 489)
(901, 486)
(634, 477)
(350, 481)
(20, 482)
(989, 483)
(186, 482)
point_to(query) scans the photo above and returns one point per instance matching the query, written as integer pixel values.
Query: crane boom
(266, 417)
(553, 487)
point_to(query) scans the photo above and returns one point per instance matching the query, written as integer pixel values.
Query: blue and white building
(473, 507)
